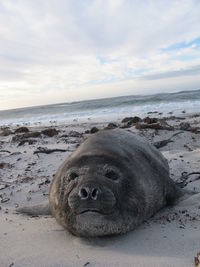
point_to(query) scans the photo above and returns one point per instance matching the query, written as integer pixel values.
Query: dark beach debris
(189, 148)
(16, 153)
(25, 179)
(3, 186)
(28, 141)
(67, 141)
(6, 183)
(195, 130)
(32, 134)
(4, 165)
(182, 182)
(6, 132)
(64, 136)
(94, 130)
(1, 143)
(197, 260)
(173, 118)
(155, 126)
(152, 112)
(195, 115)
(87, 263)
(74, 134)
(130, 121)
(20, 137)
(181, 216)
(111, 126)
(4, 200)
(44, 181)
(50, 132)
(134, 119)
(164, 142)
(22, 130)
(159, 125)
(187, 127)
(48, 151)
(5, 151)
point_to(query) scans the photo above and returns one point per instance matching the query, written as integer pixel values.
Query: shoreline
(170, 238)
(104, 110)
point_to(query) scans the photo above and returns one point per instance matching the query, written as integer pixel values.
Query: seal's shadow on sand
(157, 237)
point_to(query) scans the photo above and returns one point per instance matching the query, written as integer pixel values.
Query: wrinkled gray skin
(111, 184)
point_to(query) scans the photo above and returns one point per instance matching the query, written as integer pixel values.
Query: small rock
(22, 130)
(94, 130)
(131, 120)
(150, 120)
(111, 126)
(50, 132)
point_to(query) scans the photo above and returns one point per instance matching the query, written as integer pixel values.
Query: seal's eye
(111, 175)
(73, 175)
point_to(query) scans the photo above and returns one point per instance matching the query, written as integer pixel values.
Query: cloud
(178, 73)
(72, 50)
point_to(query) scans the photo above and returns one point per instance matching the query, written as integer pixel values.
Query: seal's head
(91, 196)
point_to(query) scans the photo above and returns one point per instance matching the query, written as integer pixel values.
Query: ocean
(103, 110)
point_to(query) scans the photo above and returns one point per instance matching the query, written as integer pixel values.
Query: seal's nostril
(83, 193)
(94, 193)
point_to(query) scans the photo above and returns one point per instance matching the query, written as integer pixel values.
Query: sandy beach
(29, 158)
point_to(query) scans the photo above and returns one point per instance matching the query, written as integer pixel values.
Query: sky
(54, 51)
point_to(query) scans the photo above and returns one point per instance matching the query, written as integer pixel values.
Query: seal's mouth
(90, 210)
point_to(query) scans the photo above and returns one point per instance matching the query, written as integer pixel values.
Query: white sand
(170, 238)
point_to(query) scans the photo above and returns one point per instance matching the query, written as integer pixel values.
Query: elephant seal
(111, 184)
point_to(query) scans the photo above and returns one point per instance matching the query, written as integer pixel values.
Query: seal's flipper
(39, 209)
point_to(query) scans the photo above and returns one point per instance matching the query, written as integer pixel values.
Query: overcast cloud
(65, 50)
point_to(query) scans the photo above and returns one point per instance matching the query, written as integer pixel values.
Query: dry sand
(170, 238)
